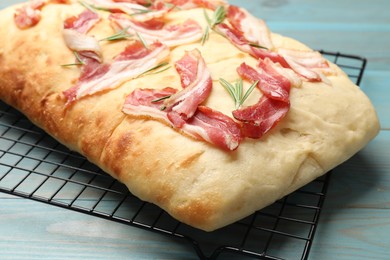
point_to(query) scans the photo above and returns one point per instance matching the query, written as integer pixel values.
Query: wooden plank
(376, 84)
(32, 230)
(355, 220)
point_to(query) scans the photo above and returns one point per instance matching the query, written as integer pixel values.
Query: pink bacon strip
(197, 83)
(132, 62)
(214, 127)
(83, 22)
(270, 82)
(29, 14)
(182, 109)
(171, 35)
(238, 39)
(309, 64)
(253, 29)
(246, 29)
(258, 119)
(133, 8)
(74, 33)
(148, 103)
(206, 124)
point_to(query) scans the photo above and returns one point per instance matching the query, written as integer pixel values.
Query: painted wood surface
(355, 221)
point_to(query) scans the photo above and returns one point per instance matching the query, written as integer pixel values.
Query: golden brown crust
(195, 182)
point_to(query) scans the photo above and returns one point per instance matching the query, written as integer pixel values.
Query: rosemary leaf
(148, 4)
(236, 91)
(152, 71)
(239, 89)
(80, 61)
(160, 99)
(206, 16)
(121, 35)
(71, 64)
(160, 71)
(231, 90)
(205, 35)
(217, 18)
(249, 91)
(255, 45)
(144, 43)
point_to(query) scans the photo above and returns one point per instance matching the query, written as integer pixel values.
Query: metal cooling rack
(35, 166)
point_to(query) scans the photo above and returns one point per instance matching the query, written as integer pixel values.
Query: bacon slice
(206, 124)
(258, 119)
(135, 10)
(74, 33)
(254, 30)
(309, 64)
(182, 109)
(246, 30)
(171, 35)
(83, 22)
(270, 81)
(188, 68)
(86, 46)
(214, 127)
(197, 83)
(148, 103)
(238, 39)
(29, 14)
(129, 64)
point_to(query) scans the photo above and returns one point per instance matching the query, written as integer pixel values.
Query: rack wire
(35, 166)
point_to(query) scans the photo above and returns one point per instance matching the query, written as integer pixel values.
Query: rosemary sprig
(217, 18)
(154, 70)
(236, 91)
(80, 61)
(121, 35)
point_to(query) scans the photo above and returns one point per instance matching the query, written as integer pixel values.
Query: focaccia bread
(145, 96)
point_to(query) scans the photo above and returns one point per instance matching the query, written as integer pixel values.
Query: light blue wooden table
(355, 221)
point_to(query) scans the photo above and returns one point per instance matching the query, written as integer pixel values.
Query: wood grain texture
(355, 221)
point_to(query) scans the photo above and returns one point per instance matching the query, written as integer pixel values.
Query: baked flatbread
(143, 92)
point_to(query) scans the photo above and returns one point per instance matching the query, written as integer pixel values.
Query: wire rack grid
(35, 166)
